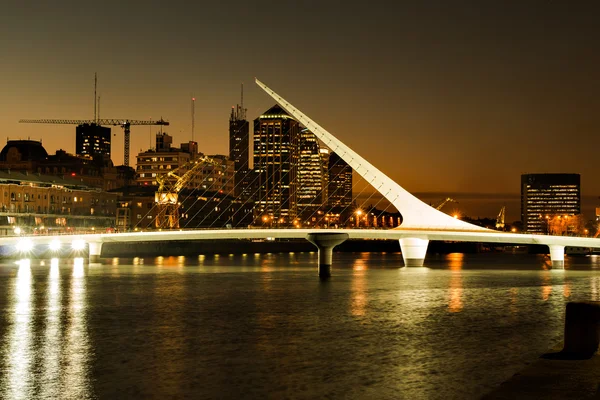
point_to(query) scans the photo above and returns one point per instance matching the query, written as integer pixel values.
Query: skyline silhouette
(445, 98)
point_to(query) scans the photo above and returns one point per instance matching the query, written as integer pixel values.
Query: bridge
(420, 222)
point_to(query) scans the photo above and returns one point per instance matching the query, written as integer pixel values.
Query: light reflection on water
(456, 286)
(52, 335)
(20, 356)
(359, 290)
(595, 281)
(75, 379)
(265, 326)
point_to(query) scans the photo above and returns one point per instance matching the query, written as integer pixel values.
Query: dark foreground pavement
(553, 379)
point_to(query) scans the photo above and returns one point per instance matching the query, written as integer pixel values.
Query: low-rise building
(37, 203)
(138, 210)
(95, 170)
(154, 163)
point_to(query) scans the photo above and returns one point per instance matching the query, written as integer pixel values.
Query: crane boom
(443, 203)
(103, 121)
(500, 218)
(169, 186)
(123, 123)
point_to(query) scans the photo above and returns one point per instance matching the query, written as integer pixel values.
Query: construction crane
(500, 218)
(443, 203)
(123, 123)
(169, 186)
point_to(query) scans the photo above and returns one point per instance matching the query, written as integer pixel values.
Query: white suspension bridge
(420, 222)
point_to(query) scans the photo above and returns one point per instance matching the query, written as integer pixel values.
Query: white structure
(415, 213)
(95, 241)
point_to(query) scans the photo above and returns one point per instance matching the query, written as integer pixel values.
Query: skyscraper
(340, 182)
(544, 196)
(310, 177)
(325, 174)
(275, 166)
(92, 139)
(239, 149)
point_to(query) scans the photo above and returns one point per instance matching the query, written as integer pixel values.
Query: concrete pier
(570, 373)
(557, 255)
(94, 250)
(414, 251)
(325, 242)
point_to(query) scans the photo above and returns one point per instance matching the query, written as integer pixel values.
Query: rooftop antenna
(95, 98)
(98, 107)
(242, 109)
(193, 115)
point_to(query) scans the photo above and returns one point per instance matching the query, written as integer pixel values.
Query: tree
(571, 225)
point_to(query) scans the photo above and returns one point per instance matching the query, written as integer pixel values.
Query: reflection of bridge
(420, 224)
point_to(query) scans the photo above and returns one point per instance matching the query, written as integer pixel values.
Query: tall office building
(239, 149)
(544, 196)
(92, 139)
(310, 177)
(325, 174)
(275, 167)
(340, 182)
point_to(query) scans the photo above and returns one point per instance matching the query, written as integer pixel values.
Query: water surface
(265, 326)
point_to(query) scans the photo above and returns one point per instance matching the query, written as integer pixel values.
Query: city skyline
(445, 99)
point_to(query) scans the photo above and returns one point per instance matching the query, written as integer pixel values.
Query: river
(264, 326)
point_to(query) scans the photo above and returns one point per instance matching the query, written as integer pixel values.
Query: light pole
(358, 214)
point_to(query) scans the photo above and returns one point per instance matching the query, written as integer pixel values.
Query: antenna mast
(242, 109)
(193, 115)
(95, 98)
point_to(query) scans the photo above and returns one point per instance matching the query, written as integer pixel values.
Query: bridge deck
(247, 234)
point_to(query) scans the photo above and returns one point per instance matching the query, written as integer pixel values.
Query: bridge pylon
(94, 251)
(325, 243)
(413, 251)
(557, 256)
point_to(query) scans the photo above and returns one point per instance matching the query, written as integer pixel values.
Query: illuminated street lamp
(358, 214)
(55, 245)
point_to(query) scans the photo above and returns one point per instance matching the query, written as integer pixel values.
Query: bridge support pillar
(94, 251)
(413, 251)
(325, 242)
(557, 255)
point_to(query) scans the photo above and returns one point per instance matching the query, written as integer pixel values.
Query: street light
(358, 214)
